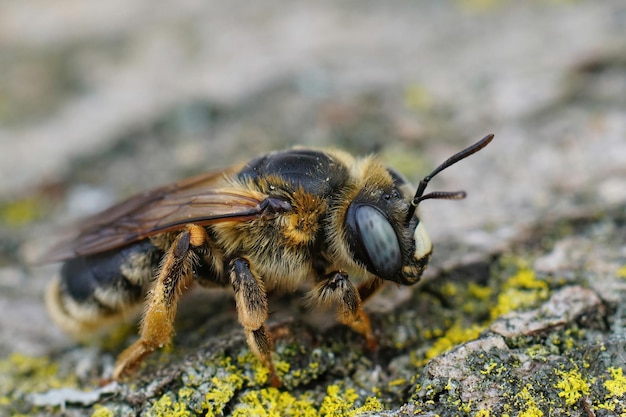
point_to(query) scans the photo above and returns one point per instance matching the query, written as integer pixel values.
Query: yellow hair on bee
(301, 227)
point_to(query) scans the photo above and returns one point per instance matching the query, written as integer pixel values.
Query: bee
(344, 225)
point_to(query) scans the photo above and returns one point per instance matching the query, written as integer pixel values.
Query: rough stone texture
(522, 311)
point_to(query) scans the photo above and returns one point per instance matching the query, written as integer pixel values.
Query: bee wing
(202, 200)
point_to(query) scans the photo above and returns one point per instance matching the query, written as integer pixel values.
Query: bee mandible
(344, 225)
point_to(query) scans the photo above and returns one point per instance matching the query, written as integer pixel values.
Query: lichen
(572, 386)
(21, 212)
(26, 374)
(167, 406)
(222, 392)
(454, 336)
(256, 371)
(271, 402)
(340, 401)
(372, 404)
(521, 290)
(616, 386)
(101, 411)
(530, 408)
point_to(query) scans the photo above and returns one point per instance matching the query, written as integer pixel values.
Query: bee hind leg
(252, 312)
(157, 325)
(337, 289)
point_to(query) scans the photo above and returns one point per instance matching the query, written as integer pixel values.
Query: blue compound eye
(378, 239)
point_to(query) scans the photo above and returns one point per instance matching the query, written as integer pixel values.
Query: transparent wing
(202, 200)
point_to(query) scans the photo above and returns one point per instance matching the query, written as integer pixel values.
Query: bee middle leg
(338, 289)
(251, 301)
(157, 326)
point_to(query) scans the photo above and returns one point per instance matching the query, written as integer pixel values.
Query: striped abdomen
(96, 289)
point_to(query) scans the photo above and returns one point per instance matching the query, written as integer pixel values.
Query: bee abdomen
(95, 289)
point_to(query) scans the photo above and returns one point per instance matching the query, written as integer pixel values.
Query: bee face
(381, 240)
(383, 231)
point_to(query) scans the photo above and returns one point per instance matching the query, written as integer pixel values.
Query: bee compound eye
(378, 239)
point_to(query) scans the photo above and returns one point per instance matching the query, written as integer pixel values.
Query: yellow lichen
(101, 411)
(448, 289)
(530, 409)
(465, 407)
(537, 352)
(606, 406)
(371, 405)
(480, 292)
(227, 382)
(621, 272)
(32, 374)
(616, 386)
(482, 413)
(224, 389)
(572, 385)
(455, 335)
(520, 291)
(283, 367)
(271, 402)
(338, 401)
(20, 212)
(433, 333)
(397, 382)
(166, 406)
(488, 368)
(185, 393)
(260, 373)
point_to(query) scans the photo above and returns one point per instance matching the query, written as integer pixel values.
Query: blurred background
(100, 100)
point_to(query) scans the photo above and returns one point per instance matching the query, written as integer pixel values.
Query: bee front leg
(337, 289)
(251, 301)
(369, 288)
(157, 325)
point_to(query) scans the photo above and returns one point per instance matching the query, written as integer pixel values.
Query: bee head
(385, 234)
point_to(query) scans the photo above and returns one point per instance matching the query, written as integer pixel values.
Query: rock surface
(522, 310)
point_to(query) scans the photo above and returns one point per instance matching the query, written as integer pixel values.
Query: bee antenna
(454, 195)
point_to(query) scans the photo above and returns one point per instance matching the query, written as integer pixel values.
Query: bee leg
(337, 289)
(251, 301)
(157, 325)
(369, 288)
